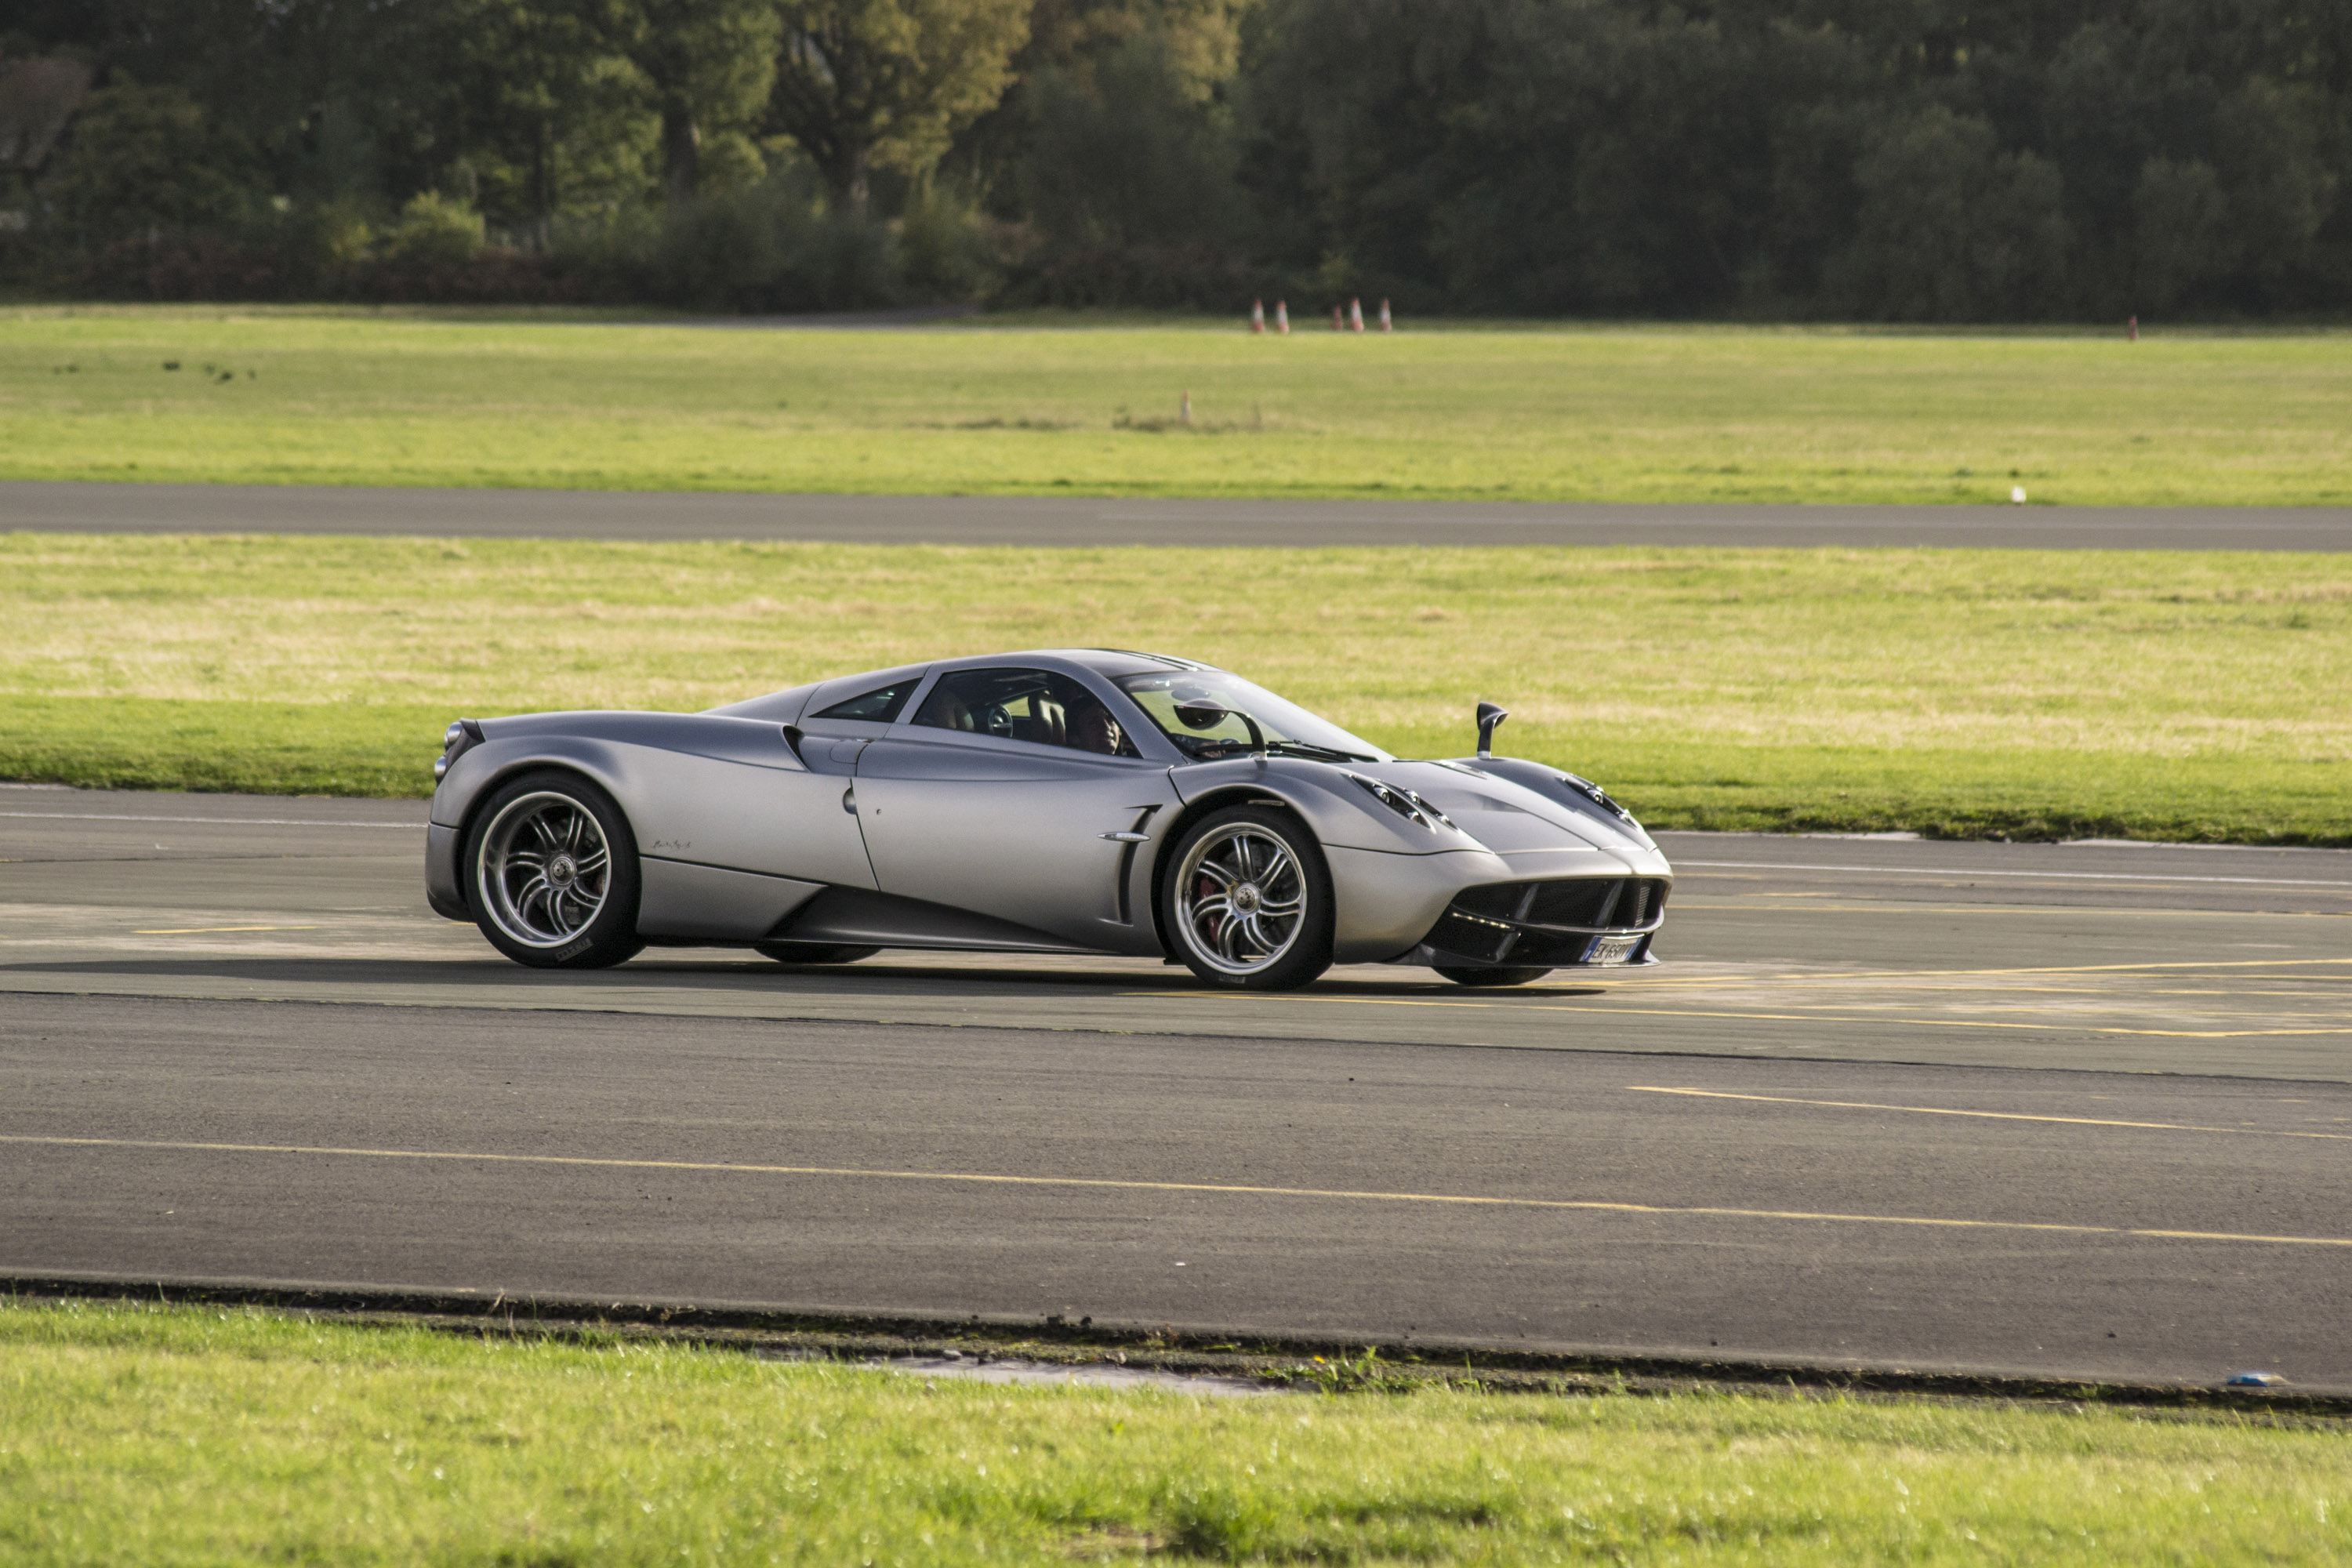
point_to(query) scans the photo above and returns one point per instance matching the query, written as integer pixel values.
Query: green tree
(435, 230)
(1126, 153)
(1952, 229)
(147, 158)
(708, 65)
(862, 84)
(2272, 154)
(549, 115)
(2183, 237)
(1201, 38)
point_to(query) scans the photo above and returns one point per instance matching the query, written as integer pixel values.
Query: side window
(1034, 705)
(880, 707)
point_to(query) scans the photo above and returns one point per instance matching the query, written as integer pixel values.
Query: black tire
(813, 952)
(1304, 951)
(532, 881)
(1489, 976)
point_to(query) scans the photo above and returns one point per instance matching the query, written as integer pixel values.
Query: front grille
(1521, 922)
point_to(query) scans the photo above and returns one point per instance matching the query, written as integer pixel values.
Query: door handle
(849, 800)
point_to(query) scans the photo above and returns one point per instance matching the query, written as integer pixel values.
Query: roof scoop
(1489, 716)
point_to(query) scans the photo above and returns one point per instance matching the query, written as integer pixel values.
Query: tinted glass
(880, 706)
(1279, 720)
(1034, 705)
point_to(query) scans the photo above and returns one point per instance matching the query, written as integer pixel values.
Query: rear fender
(658, 767)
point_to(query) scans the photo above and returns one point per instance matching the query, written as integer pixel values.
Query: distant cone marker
(1355, 315)
(1282, 317)
(1386, 324)
(1184, 414)
(1258, 315)
(1338, 319)
(2016, 495)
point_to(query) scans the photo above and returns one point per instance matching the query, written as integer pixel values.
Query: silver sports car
(1074, 800)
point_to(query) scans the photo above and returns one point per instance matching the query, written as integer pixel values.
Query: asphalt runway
(2078, 1110)
(29, 505)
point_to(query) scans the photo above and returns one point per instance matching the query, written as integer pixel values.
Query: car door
(841, 721)
(1012, 792)
(777, 809)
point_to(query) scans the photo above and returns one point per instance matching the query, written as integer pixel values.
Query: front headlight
(456, 741)
(1404, 802)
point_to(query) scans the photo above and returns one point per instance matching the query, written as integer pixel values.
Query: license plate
(1612, 948)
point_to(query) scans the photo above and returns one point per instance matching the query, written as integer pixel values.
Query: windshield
(1287, 726)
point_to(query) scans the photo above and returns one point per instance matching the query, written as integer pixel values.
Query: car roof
(1101, 660)
(787, 706)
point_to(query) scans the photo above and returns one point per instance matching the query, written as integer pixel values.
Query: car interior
(1038, 706)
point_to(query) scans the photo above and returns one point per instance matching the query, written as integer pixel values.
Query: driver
(1092, 729)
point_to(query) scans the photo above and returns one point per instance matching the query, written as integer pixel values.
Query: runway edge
(1307, 1363)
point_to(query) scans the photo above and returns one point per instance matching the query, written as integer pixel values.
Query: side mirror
(1205, 713)
(1488, 717)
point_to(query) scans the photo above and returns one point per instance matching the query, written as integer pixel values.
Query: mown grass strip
(2169, 695)
(167, 1435)
(1707, 414)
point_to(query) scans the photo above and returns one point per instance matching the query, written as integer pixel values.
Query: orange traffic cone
(2132, 326)
(1386, 324)
(1282, 317)
(1338, 319)
(1355, 315)
(1258, 315)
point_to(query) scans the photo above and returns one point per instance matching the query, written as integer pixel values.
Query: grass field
(2170, 695)
(160, 1436)
(1631, 414)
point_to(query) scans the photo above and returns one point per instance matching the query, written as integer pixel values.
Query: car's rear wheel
(813, 952)
(552, 873)
(1248, 902)
(1461, 976)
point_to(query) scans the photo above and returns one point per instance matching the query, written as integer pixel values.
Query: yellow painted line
(198, 931)
(1988, 1115)
(1609, 979)
(1777, 904)
(1830, 976)
(1223, 1189)
(1613, 1011)
(1956, 874)
(1975, 1023)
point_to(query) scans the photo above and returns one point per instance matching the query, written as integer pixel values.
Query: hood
(1510, 814)
(1529, 815)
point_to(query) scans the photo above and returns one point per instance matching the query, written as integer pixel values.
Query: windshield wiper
(1221, 746)
(1309, 749)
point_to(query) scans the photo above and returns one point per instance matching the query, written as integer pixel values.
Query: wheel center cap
(561, 871)
(1245, 897)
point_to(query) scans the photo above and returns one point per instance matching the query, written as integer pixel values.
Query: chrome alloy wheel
(544, 870)
(1241, 899)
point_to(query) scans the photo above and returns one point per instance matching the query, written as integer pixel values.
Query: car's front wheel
(552, 873)
(1247, 903)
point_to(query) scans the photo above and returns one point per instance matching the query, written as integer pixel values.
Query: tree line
(1899, 159)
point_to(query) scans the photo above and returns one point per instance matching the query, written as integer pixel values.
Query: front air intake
(1544, 923)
